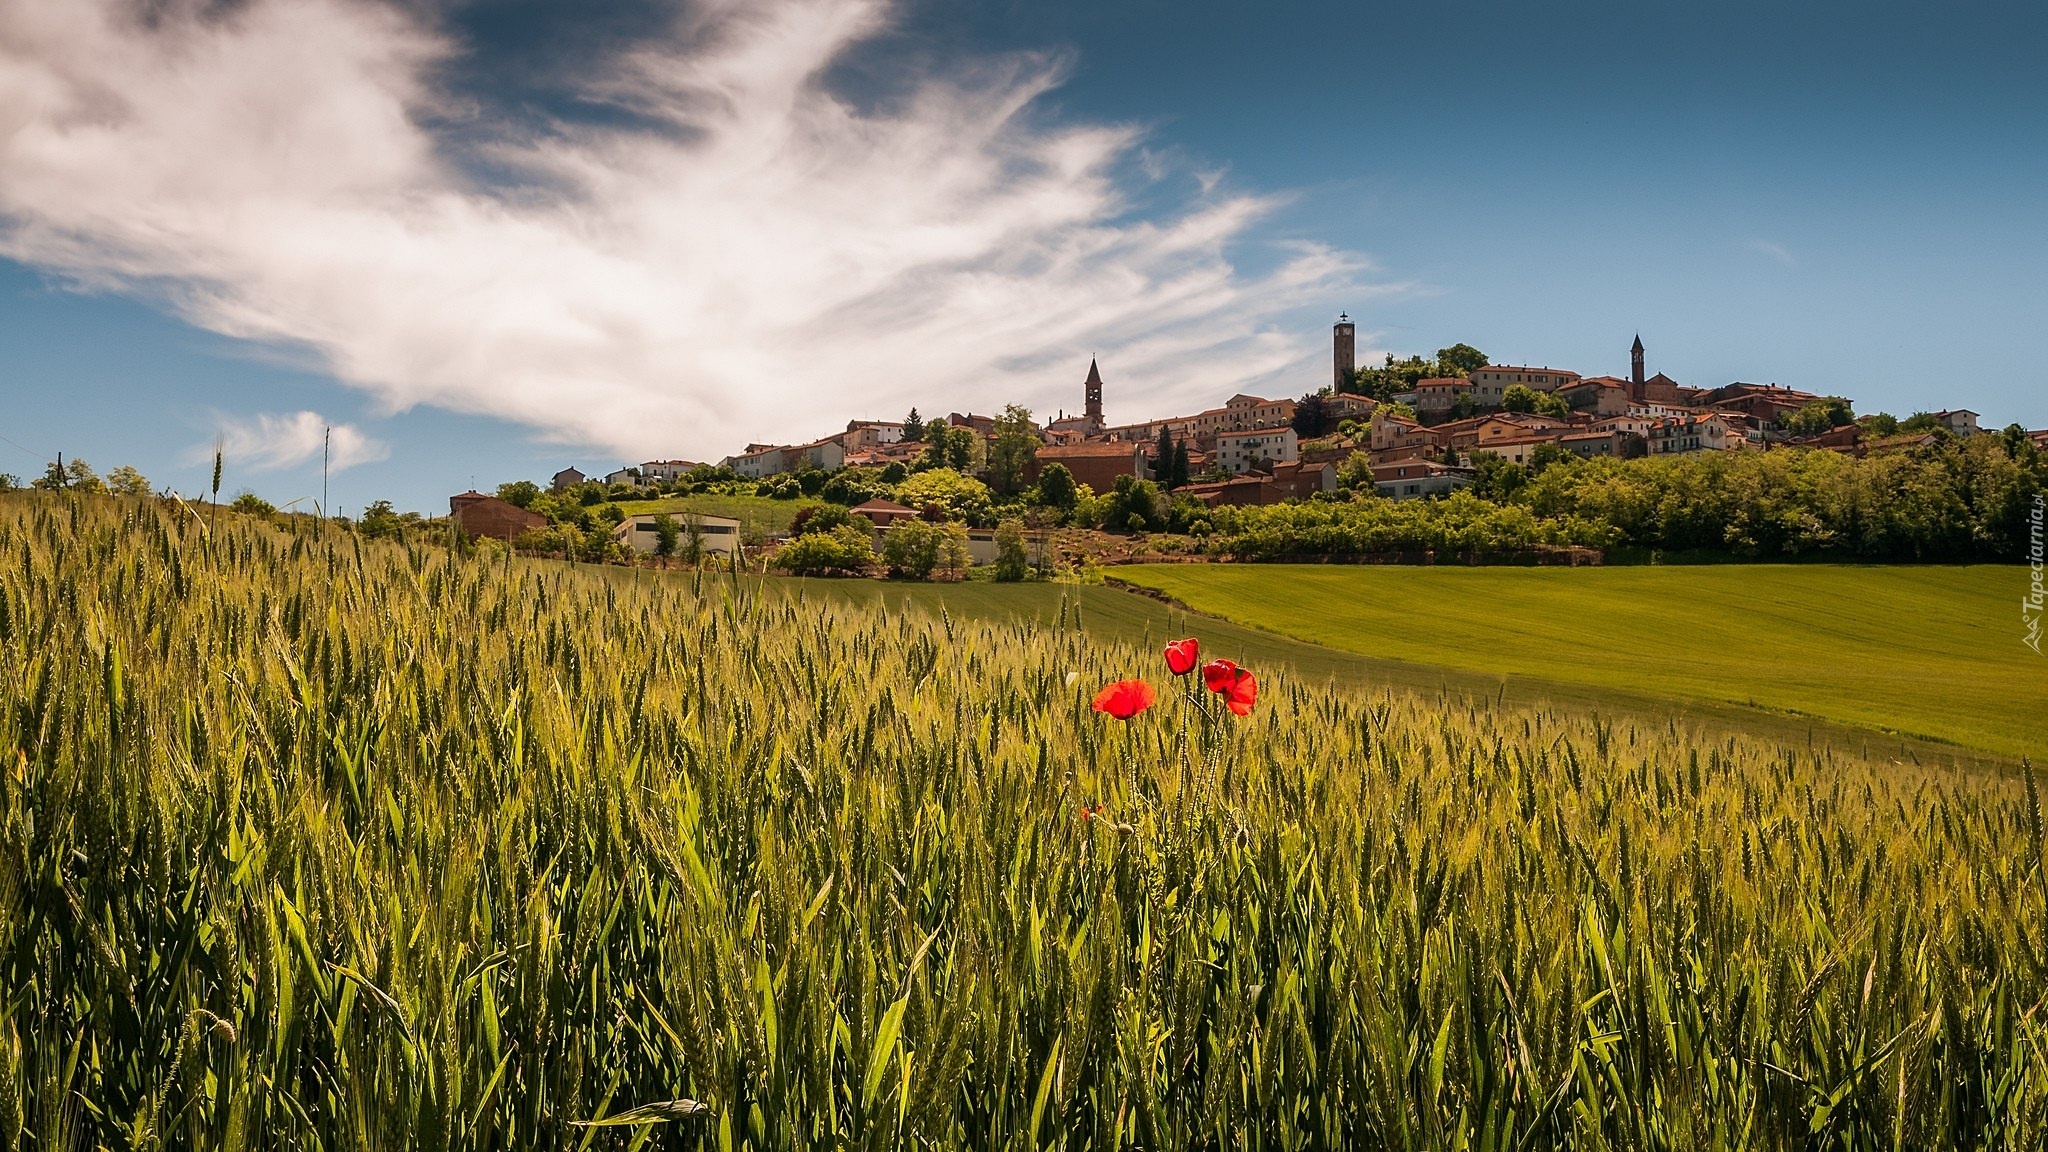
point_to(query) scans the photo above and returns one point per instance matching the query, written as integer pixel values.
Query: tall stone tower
(1093, 394)
(1344, 339)
(1635, 362)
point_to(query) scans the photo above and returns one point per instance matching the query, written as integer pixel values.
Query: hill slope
(1928, 651)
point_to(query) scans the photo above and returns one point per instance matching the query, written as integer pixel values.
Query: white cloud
(755, 261)
(270, 443)
(1775, 251)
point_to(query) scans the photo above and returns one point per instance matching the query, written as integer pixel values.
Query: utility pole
(326, 441)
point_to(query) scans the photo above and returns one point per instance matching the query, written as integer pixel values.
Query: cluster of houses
(1248, 451)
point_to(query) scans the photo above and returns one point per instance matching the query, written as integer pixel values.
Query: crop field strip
(1932, 651)
(313, 842)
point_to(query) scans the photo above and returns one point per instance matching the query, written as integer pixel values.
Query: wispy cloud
(1775, 251)
(269, 443)
(753, 258)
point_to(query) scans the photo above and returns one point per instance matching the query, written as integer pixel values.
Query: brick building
(480, 515)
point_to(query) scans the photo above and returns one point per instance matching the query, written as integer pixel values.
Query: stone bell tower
(1092, 395)
(1635, 362)
(1344, 341)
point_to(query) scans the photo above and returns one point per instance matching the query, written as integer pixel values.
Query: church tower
(1635, 361)
(1344, 341)
(1093, 394)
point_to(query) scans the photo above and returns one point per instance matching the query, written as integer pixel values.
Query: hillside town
(1421, 441)
(1407, 430)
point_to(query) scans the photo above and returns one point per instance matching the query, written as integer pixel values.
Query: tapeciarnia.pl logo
(2030, 608)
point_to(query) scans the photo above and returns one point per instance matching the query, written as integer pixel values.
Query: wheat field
(313, 842)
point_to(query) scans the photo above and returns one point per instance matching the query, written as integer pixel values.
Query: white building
(1688, 434)
(1241, 451)
(642, 533)
(1490, 383)
(666, 469)
(1413, 479)
(1960, 421)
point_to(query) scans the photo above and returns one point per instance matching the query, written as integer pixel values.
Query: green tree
(519, 493)
(53, 478)
(1012, 562)
(1056, 489)
(1012, 449)
(1312, 417)
(953, 554)
(1133, 505)
(79, 477)
(692, 548)
(955, 496)
(1519, 398)
(912, 549)
(379, 519)
(9, 482)
(1460, 360)
(845, 550)
(250, 504)
(667, 534)
(126, 481)
(1546, 455)
(1162, 459)
(1180, 465)
(1880, 424)
(1463, 406)
(819, 518)
(1817, 416)
(913, 427)
(945, 446)
(1497, 479)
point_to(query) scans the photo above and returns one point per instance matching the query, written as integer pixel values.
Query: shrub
(844, 551)
(913, 549)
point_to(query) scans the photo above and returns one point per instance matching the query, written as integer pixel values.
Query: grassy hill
(1927, 651)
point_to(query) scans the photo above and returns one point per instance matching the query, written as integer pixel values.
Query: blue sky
(1842, 198)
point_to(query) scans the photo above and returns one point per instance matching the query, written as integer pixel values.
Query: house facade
(1418, 478)
(642, 533)
(1242, 451)
(479, 515)
(1490, 383)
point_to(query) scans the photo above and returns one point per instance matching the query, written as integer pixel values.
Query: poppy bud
(1181, 656)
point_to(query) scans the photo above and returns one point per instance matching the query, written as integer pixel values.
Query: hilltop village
(1407, 430)
(1421, 437)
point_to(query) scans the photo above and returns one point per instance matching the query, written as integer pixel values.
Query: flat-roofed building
(642, 533)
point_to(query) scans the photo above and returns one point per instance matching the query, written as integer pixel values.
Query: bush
(913, 549)
(957, 497)
(844, 551)
(819, 518)
(1012, 562)
(250, 504)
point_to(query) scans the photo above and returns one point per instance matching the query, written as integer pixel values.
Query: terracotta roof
(880, 505)
(1089, 448)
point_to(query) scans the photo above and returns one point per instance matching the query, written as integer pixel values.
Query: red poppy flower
(1181, 656)
(1239, 688)
(1125, 698)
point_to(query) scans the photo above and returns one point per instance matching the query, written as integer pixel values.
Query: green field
(756, 513)
(312, 841)
(1925, 651)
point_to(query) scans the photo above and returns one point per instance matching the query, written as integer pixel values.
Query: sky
(483, 241)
